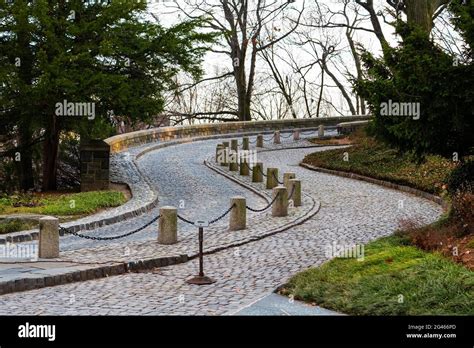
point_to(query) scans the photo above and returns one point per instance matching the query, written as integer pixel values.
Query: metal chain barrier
(286, 136)
(273, 136)
(263, 209)
(66, 231)
(276, 178)
(185, 220)
(220, 217)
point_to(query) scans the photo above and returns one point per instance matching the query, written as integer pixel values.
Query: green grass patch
(15, 225)
(371, 158)
(429, 283)
(65, 205)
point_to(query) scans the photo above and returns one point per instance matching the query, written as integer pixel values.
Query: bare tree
(240, 22)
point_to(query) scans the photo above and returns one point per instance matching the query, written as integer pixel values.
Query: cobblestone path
(351, 212)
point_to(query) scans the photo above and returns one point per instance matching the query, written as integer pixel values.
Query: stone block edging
(436, 199)
(83, 274)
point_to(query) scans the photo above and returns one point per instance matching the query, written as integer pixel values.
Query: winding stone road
(352, 212)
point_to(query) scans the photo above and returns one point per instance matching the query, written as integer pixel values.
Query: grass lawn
(374, 159)
(429, 283)
(65, 206)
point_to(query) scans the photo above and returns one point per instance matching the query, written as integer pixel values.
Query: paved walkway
(352, 212)
(278, 305)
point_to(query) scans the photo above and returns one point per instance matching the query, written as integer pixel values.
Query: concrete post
(272, 175)
(233, 156)
(168, 225)
(219, 153)
(321, 131)
(280, 206)
(295, 187)
(238, 215)
(245, 143)
(286, 178)
(257, 172)
(233, 161)
(48, 237)
(276, 139)
(225, 162)
(260, 140)
(234, 144)
(244, 165)
(296, 135)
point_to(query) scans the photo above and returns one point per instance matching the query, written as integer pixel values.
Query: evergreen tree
(100, 54)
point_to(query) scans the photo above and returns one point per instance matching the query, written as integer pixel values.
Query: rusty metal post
(201, 279)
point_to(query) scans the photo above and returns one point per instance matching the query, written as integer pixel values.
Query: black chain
(220, 217)
(211, 221)
(261, 171)
(263, 209)
(66, 231)
(287, 136)
(185, 220)
(276, 178)
(273, 136)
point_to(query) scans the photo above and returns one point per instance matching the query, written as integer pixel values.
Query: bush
(461, 178)
(463, 213)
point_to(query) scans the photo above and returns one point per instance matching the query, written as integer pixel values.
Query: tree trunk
(26, 161)
(50, 155)
(340, 86)
(419, 14)
(320, 93)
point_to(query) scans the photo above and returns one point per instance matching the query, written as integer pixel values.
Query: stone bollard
(296, 135)
(238, 214)
(286, 178)
(226, 154)
(244, 165)
(219, 153)
(233, 156)
(276, 139)
(260, 140)
(321, 131)
(295, 187)
(245, 143)
(48, 237)
(233, 161)
(280, 206)
(272, 175)
(257, 172)
(168, 225)
(234, 144)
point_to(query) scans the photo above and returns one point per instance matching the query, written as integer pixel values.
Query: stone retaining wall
(124, 141)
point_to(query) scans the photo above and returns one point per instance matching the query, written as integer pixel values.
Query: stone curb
(78, 275)
(436, 199)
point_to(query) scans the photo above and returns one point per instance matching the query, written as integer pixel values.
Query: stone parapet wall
(95, 165)
(124, 141)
